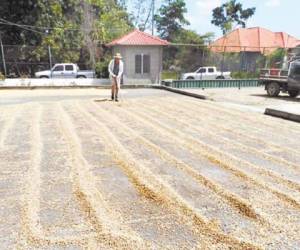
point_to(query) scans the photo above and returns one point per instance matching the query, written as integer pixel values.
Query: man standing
(115, 68)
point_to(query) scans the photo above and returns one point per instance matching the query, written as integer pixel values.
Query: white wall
(34, 82)
(52, 82)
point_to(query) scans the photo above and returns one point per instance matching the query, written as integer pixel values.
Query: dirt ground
(251, 99)
(154, 171)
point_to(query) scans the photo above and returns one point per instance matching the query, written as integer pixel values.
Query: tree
(76, 31)
(79, 29)
(170, 20)
(112, 21)
(60, 22)
(15, 13)
(170, 23)
(188, 58)
(231, 13)
(142, 13)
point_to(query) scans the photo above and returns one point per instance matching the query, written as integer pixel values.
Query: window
(138, 64)
(202, 70)
(69, 68)
(211, 70)
(146, 64)
(59, 68)
(142, 64)
(295, 70)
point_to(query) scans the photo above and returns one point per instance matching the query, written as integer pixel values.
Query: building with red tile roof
(254, 40)
(139, 38)
(142, 56)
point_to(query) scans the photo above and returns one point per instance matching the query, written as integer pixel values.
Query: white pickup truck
(206, 73)
(65, 70)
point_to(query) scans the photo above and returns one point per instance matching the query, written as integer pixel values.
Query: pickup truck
(276, 80)
(206, 73)
(65, 70)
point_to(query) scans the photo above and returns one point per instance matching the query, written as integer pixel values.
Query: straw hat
(118, 55)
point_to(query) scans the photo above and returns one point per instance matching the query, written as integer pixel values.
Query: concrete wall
(129, 53)
(18, 82)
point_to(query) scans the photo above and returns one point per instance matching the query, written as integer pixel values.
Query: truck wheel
(293, 93)
(44, 77)
(220, 78)
(190, 78)
(273, 89)
(81, 77)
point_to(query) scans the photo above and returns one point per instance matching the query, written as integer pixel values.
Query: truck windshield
(202, 70)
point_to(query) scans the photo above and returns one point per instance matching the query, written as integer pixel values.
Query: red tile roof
(138, 37)
(254, 40)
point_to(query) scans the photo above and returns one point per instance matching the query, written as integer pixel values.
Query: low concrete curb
(282, 114)
(181, 92)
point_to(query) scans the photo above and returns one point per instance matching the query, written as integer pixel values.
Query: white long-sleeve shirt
(111, 69)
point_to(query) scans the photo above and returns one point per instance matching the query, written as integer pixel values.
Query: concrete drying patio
(156, 170)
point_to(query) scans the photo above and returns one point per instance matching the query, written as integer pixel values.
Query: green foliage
(170, 23)
(19, 12)
(231, 13)
(170, 20)
(187, 58)
(102, 66)
(275, 59)
(113, 23)
(62, 26)
(64, 18)
(2, 77)
(170, 75)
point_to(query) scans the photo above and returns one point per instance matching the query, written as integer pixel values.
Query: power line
(32, 27)
(6, 22)
(20, 26)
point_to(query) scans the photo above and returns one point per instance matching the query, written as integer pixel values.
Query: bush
(244, 75)
(2, 77)
(24, 75)
(101, 67)
(170, 75)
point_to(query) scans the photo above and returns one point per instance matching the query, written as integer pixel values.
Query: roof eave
(124, 44)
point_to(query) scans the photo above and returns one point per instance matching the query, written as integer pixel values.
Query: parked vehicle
(65, 70)
(276, 80)
(206, 73)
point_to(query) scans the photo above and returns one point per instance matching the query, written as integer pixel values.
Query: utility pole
(153, 12)
(3, 56)
(49, 51)
(50, 56)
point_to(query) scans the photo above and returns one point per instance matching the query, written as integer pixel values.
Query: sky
(275, 15)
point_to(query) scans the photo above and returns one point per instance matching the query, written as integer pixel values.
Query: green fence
(205, 84)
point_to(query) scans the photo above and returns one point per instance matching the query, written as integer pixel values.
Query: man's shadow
(284, 98)
(102, 100)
